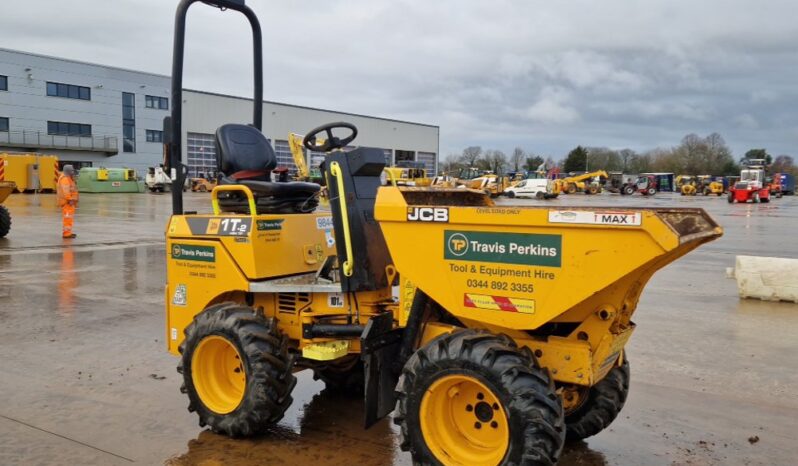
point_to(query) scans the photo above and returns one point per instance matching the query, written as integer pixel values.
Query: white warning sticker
(179, 298)
(324, 223)
(589, 217)
(335, 299)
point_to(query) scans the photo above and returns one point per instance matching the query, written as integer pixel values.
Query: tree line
(694, 155)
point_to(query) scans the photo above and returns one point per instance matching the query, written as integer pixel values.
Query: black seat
(245, 157)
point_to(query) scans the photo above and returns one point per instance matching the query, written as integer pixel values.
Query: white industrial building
(96, 115)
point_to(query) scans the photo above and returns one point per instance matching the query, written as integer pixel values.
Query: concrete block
(766, 278)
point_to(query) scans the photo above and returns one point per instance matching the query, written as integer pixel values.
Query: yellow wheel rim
(463, 422)
(218, 374)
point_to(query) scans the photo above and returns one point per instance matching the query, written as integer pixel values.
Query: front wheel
(5, 221)
(730, 198)
(236, 370)
(589, 411)
(474, 398)
(755, 198)
(651, 191)
(510, 194)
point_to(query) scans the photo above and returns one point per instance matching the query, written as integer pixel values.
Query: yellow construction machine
(6, 188)
(588, 183)
(702, 184)
(409, 173)
(494, 332)
(491, 184)
(304, 173)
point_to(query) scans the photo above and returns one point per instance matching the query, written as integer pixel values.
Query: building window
(429, 161)
(201, 154)
(3, 83)
(388, 157)
(161, 103)
(404, 155)
(70, 91)
(154, 135)
(284, 157)
(60, 128)
(4, 124)
(128, 122)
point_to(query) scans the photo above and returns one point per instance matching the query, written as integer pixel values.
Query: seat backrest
(243, 148)
(361, 169)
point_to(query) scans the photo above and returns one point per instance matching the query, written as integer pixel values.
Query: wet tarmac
(85, 377)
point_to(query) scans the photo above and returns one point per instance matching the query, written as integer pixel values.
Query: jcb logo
(458, 244)
(428, 214)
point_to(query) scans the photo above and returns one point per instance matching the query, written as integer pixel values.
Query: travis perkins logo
(503, 248)
(193, 253)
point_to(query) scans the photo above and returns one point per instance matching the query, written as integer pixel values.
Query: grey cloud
(543, 76)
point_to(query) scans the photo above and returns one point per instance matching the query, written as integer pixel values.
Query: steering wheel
(332, 142)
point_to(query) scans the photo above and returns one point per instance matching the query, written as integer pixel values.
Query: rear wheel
(474, 398)
(236, 370)
(755, 198)
(589, 411)
(629, 190)
(540, 195)
(652, 191)
(730, 198)
(5, 221)
(571, 188)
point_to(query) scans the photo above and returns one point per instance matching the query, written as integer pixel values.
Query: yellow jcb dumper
(507, 332)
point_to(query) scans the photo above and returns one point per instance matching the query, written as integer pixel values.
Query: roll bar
(173, 124)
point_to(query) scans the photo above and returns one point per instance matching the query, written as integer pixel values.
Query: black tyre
(652, 191)
(755, 199)
(344, 376)
(540, 195)
(629, 190)
(236, 370)
(472, 397)
(730, 198)
(510, 194)
(601, 405)
(5, 221)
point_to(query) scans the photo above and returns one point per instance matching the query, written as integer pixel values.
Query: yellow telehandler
(588, 183)
(492, 332)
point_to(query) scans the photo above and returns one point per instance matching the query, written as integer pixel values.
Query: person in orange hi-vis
(68, 199)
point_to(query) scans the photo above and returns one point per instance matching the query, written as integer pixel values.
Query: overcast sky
(544, 76)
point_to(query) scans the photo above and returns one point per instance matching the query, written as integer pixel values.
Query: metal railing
(40, 139)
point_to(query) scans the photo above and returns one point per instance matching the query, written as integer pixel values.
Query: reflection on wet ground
(85, 377)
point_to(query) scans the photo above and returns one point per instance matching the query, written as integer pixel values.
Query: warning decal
(499, 303)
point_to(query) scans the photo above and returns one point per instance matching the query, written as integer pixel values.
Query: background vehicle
(588, 183)
(752, 186)
(409, 173)
(538, 187)
(784, 183)
(646, 185)
(202, 184)
(266, 285)
(664, 181)
(157, 180)
(491, 184)
(6, 188)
